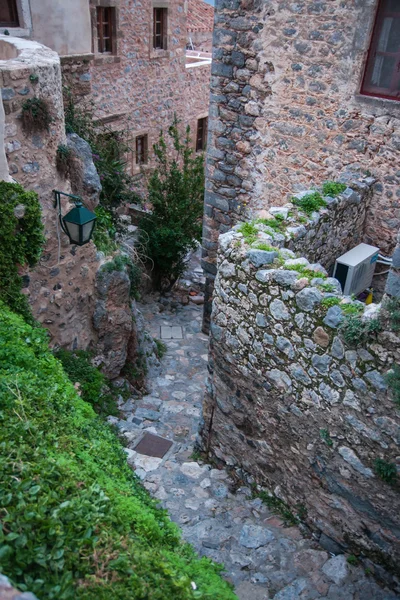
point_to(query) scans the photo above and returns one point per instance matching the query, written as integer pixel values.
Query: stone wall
(286, 112)
(291, 406)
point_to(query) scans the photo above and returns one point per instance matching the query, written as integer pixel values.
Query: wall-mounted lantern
(79, 223)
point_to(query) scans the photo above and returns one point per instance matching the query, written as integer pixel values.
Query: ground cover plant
(75, 522)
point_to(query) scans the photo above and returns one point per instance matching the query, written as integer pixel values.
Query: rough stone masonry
(290, 405)
(286, 112)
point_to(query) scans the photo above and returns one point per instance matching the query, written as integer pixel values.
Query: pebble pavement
(263, 558)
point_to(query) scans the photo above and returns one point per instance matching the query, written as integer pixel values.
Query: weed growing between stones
(305, 272)
(330, 301)
(161, 348)
(333, 188)
(63, 160)
(392, 306)
(393, 381)
(277, 506)
(105, 230)
(35, 115)
(277, 223)
(120, 263)
(324, 433)
(327, 287)
(355, 331)
(352, 560)
(263, 246)
(310, 202)
(386, 471)
(249, 232)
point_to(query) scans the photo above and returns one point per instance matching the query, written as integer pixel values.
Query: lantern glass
(79, 224)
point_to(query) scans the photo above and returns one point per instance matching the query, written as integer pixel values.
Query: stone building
(129, 58)
(200, 25)
(302, 92)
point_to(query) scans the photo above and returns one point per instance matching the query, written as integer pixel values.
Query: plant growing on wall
(21, 241)
(175, 191)
(35, 115)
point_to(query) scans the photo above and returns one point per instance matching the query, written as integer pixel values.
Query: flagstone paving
(263, 559)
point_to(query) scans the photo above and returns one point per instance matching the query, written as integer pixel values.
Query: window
(141, 150)
(8, 13)
(201, 138)
(160, 28)
(382, 73)
(105, 30)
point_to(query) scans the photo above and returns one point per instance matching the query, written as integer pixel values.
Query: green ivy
(21, 242)
(76, 523)
(385, 470)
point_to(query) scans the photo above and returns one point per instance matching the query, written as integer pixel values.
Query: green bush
(330, 301)
(175, 192)
(249, 232)
(385, 470)
(104, 232)
(21, 242)
(333, 188)
(35, 115)
(392, 306)
(393, 381)
(310, 202)
(76, 524)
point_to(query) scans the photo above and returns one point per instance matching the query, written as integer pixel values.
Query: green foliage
(305, 272)
(352, 560)
(324, 433)
(330, 301)
(34, 78)
(161, 348)
(392, 306)
(327, 287)
(35, 115)
(21, 242)
(355, 331)
(76, 524)
(109, 150)
(349, 308)
(92, 382)
(175, 192)
(277, 223)
(264, 246)
(385, 470)
(104, 232)
(333, 188)
(122, 262)
(279, 507)
(249, 232)
(63, 159)
(310, 202)
(393, 381)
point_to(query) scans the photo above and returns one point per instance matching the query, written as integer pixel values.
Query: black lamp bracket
(57, 204)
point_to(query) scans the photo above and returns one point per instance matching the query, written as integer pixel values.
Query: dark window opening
(201, 137)
(105, 30)
(382, 72)
(141, 150)
(8, 13)
(160, 29)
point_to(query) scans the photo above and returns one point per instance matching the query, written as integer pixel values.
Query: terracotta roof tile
(200, 16)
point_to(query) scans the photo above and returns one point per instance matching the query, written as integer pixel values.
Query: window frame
(201, 139)
(367, 89)
(13, 11)
(163, 35)
(100, 22)
(144, 152)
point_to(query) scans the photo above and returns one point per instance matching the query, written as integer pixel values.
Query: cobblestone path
(263, 558)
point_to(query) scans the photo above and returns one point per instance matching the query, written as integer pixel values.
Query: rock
(321, 363)
(85, 180)
(285, 277)
(320, 337)
(279, 311)
(253, 536)
(336, 569)
(261, 257)
(292, 591)
(279, 379)
(261, 320)
(353, 460)
(227, 269)
(376, 380)
(299, 374)
(334, 316)
(197, 299)
(279, 210)
(308, 298)
(193, 470)
(265, 275)
(337, 348)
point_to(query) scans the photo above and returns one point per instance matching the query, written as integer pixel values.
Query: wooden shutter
(160, 28)
(105, 30)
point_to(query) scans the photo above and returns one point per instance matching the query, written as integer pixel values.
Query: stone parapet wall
(291, 406)
(76, 76)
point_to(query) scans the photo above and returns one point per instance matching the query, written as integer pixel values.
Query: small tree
(175, 191)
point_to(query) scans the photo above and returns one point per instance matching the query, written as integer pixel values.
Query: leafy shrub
(109, 150)
(330, 301)
(264, 246)
(310, 202)
(327, 287)
(76, 522)
(104, 232)
(249, 232)
(356, 331)
(333, 188)
(392, 305)
(385, 470)
(277, 223)
(161, 348)
(175, 192)
(35, 115)
(21, 242)
(393, 381)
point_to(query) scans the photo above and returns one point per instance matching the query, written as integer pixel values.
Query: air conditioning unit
(355, 269)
